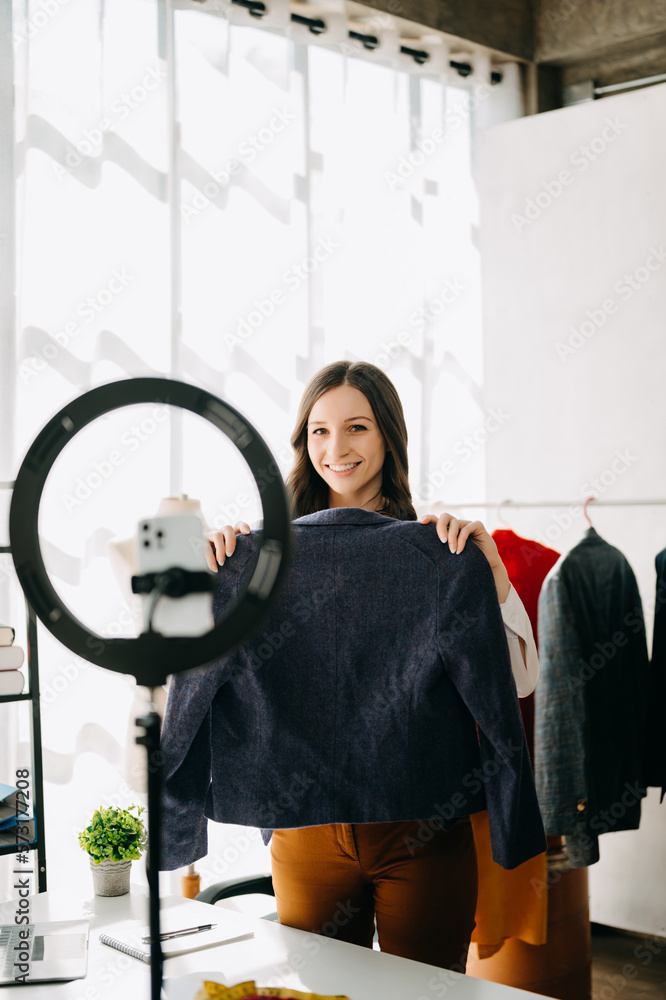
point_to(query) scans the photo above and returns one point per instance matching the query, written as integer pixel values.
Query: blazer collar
(343, 515)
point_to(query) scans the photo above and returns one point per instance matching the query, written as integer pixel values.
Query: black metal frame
(38, 844)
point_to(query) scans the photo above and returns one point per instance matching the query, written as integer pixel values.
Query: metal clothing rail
(644, 81)
(529, 503)
(560, 503)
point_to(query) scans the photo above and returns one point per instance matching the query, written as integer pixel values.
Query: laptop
(45, 952)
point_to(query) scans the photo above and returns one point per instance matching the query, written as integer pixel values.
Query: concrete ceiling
(562, 41)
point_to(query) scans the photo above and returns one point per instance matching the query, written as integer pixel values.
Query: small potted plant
(114, 839)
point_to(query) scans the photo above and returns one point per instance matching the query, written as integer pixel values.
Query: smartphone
(165, 542)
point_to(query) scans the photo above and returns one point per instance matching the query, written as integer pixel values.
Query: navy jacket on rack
(591, 701)
(357, 700)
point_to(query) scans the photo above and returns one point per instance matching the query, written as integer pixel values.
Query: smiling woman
(417, 879)
(351, 414)
(349, 456)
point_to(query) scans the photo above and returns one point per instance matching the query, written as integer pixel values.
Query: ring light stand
(150, 657)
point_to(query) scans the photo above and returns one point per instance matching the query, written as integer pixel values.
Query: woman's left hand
(456, 532)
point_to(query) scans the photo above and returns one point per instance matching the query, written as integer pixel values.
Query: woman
(350, 444)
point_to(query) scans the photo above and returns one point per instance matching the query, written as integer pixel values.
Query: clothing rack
(557, 503)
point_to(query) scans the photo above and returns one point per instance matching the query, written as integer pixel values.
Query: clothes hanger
(500, 518)
(587, 516)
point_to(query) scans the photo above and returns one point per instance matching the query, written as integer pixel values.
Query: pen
(186, 930)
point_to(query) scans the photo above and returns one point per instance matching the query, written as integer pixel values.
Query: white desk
(276, 956)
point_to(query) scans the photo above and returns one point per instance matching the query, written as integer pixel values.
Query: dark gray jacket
(591, 700)
(655, 748)
(358, 698)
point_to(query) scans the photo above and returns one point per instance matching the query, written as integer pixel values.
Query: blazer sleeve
(559, 725)
(185, 742)
(473, 646)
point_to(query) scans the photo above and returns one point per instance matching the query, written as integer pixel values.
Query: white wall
(556, 250)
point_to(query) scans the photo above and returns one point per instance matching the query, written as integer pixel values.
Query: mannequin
(122, 552)
(123, 560)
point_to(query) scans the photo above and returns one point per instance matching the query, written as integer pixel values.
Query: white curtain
(220, 203)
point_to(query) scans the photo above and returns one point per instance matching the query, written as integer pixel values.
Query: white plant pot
(111, 878)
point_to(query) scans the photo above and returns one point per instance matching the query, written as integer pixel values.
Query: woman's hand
(223, 543)
(456, 532)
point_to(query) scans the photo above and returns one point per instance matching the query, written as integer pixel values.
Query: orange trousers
(338, 879)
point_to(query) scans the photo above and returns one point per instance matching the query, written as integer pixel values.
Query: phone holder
(151, 656)
(174, 582)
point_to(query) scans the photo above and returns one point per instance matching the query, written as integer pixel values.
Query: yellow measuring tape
(216, 991)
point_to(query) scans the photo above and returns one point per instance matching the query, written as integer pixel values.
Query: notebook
(128, 936)
(43, 952)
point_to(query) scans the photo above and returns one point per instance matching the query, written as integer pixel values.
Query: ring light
(150, 657)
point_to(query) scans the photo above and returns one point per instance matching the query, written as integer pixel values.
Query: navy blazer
(358, 698)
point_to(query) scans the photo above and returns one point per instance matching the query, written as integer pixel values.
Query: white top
(518, 626)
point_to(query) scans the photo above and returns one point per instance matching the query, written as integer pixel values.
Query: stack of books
(13, 806)
(11, 660)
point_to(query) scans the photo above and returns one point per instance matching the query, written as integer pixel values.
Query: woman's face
(346, 447)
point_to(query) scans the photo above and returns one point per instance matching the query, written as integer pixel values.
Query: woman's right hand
(223, 543)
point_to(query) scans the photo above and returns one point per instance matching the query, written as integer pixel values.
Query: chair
(262, 884)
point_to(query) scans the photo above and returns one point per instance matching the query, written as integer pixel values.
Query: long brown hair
(307, 491)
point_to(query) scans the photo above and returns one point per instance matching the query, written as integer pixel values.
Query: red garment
(527, 563)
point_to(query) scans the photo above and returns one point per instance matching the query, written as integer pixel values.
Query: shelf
(36, 842)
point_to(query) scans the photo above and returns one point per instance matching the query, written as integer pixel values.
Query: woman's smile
(343, 470)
